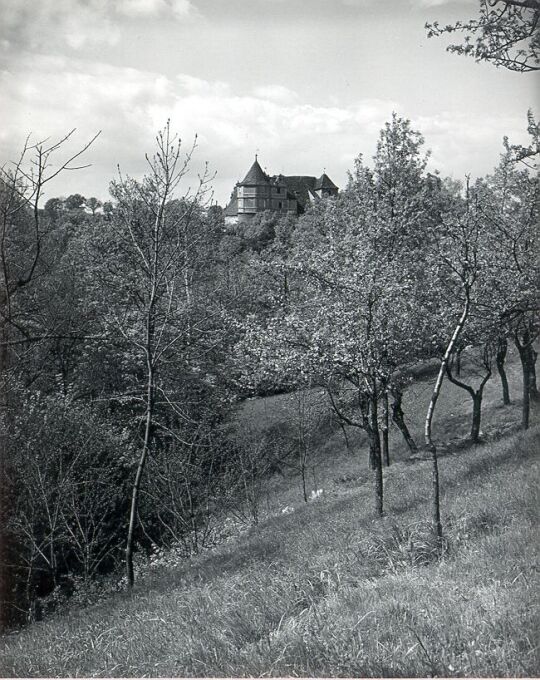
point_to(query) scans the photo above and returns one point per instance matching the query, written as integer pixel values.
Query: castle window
(280, 204)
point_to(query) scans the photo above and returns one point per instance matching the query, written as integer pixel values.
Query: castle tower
(253, 192)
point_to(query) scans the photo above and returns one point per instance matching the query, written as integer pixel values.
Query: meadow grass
(331, 590)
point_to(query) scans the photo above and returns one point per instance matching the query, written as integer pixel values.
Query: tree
(510, 199)
(527, 155)
(505, 33)
(23, 234)
(74, 202)
(485, 364)
(67, 511)
(304, 410)
(93, 205)
(353, 282)
(500, 358)
(457, 244)
(155, 234)
(396, 389)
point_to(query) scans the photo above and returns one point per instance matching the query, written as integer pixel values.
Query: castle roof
(300, 187)
(256, 175)
(324, 182)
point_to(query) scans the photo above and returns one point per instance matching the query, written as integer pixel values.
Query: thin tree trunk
(436, 504)
(368, 410)
(399, 419)
(526, 411)
(304, 488)
(303, 459)
(384, 429)
(345, 435)
(533, 388)
(500, 360)
(375, 453)
(138, 476)
(526, 398)
(476, 396)
(477, 416)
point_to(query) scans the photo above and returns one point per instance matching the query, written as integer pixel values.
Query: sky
(306, 84)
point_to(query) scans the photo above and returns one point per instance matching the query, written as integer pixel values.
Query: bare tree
(154, 236)
(22, 234)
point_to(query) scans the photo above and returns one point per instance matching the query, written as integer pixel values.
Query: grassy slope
(330, 590)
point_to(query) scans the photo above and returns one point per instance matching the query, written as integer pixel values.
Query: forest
(133, 329)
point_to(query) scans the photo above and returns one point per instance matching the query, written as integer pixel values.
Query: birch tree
(457, 249)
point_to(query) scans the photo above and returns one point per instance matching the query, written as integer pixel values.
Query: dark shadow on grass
(256, 550)
(265, 545)
(526, 446)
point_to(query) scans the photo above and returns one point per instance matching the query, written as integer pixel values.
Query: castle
(258, 192)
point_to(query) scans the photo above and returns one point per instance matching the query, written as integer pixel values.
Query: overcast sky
(305, 83)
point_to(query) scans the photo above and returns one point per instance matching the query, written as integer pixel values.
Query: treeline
(131, 330)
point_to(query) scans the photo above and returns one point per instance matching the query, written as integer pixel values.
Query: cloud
(77, 23)
(430, 3)
(276, 93)
(153, 8)
(140, 7)
(439, 3)
(462, 144)
(51, 95)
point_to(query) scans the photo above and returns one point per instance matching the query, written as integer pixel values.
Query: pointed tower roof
(324, 182)
(256, 175)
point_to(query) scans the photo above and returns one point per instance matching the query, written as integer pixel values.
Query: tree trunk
(476, 396)
(436, 505)
(500, 359)
(375, 454)
(303, 454)
(458, 362)
(372, 450)
(138, 476)
(370, 424)
(345, 435)
(399, 419)
(533, 388)
(384, 430)
(526, 401)
(435, 495)
(477, 416)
